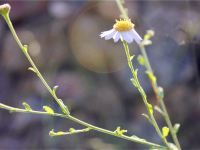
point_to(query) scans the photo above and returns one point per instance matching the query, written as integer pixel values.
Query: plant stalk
(59, 101)
(74, 119)
(142, 93)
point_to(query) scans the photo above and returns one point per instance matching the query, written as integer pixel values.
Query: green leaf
(120, 131)
(136, 72)
(26, 106)
(150, 108)
(72, 130)
(149, 34)
(141, 60)
(137, 138)
(65, 110)
(32, 69)
(161, 92)
(134, 82)
(131, 58)
(59, 133)
(48, 109)
(146, 42)
(165, 131)
(55, 89)
(25, 48)
(151, 76)
(147, 37)
(158, 109)
(176, 127)
(147, 117)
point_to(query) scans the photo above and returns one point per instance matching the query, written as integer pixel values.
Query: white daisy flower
(123, 30)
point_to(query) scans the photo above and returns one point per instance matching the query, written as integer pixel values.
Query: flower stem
(153, 84)
(74, 119)
(160, 99)
(66, 113)
(143, 94)
(25, 51)
(122, 10)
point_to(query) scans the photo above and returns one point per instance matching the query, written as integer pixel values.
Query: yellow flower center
(123, 25)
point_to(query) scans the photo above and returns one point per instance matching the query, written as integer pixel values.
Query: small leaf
(120, 131)
(137, 138)
(141, 60)
(147, 117)
(158, 109)
(131, 58)
(176, 127)
(55, 89)
(161, 92)
(165, 131)
(146, 42)
(150, 108)
(151, 76)
(25, 48)
(64, 108)
(136, 72)
(32, 69)
(48, 109)
(72, 130)
(26, 106)
(134, 82)
(149, 34)
(59, 133)
(147, 37)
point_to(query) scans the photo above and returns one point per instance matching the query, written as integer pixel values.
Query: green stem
(122, 10)
(156, 91)
(143, 94)
(154, 84)
(147, 64)
(74, 119)
(59, 101)
(25, 51)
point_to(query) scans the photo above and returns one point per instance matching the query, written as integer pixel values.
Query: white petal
(127, 36)
(103, 34)
(137, 37)
(110, 35)
(116, 37)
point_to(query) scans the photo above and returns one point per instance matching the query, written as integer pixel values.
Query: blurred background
(92, 74)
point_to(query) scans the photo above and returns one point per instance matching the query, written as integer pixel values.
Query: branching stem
(66, 113)
(74, 119)
(153, 84)
(143, 94)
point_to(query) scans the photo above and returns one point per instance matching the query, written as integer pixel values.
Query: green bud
(150, 108)
(161, 92)
(48, 109)
(4, 9)
(176, 127)
(26, 106)
(141, 60)
(150, 32)
(165, 131)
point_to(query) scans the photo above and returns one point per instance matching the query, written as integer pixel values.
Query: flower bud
(4, 9)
